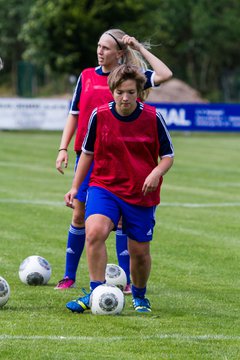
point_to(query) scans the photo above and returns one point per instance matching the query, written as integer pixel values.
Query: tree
(12, 16)
(198, 39)
(201, 40)
(216, 33)
(64, 33)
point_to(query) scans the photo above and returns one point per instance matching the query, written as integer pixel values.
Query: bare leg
(140, 262)
(78, 214)
(98, 228)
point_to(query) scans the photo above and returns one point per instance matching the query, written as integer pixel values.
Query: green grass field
(194, 285)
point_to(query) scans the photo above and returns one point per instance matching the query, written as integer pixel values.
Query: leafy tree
(216, 33)
(64, 33)
(13, 14)
(201, 40)
(198, 39)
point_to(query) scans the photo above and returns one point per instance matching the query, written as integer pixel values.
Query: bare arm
(84, 164)
(67, 135)
(162, 72)
(152, 180)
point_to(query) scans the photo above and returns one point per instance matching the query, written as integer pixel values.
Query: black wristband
(62, 149)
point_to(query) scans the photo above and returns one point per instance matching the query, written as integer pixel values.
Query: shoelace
(87, 295)
(85, 291)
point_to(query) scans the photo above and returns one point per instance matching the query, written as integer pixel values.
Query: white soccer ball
(107, 300)
(35, 270)
(4, 291)
(115, 275)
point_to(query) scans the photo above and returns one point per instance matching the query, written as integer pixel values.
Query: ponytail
(130, 56)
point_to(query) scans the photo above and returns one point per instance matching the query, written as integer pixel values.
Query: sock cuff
(138, 292)
(119, 232)
(77, 231)
(94, 284)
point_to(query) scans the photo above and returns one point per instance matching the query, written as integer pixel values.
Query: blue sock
(94, 284)
(138, 292)
(75, 246)
(122, 252)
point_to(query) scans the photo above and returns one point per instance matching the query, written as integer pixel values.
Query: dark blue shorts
(82, 191)
(138, 221)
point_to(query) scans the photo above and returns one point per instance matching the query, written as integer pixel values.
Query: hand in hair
(132, 42)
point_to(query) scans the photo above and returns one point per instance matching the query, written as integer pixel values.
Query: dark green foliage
(199, 40)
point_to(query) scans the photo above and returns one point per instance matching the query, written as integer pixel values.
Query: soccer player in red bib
(125, 140)
(114, 48)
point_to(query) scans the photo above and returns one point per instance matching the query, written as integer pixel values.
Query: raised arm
(162, 71)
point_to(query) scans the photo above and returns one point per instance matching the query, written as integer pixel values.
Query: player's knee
(140, 257)
(140, 254)
(78, 218)
(96, 234)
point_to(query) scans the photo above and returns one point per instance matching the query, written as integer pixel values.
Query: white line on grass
(209, 337)
(60, 203)
(195, 205)
(32, 202)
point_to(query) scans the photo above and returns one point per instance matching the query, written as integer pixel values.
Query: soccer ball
(35, 270)
(107, 300)
(4, 291)
(115, 275)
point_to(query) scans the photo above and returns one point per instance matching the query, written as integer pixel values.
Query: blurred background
(44, 45)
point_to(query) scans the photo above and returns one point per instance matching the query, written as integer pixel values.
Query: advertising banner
(201, 117)
(51, 114)
(42, 114)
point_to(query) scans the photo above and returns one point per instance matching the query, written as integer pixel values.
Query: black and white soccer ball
(107, 300)
(115, 275)
(35, 270)
(4, 291)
